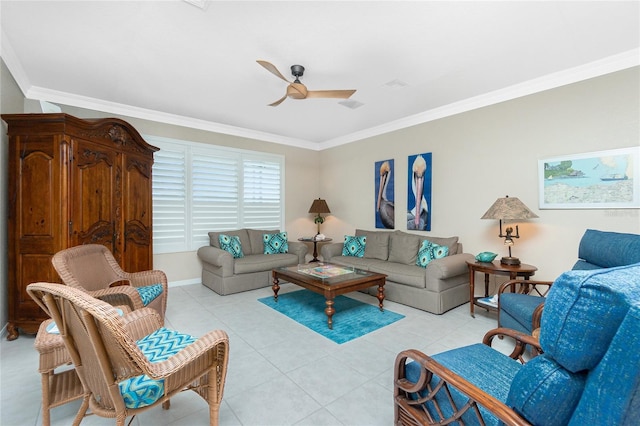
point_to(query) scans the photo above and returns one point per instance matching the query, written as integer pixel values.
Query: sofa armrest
(218, 258)
(449, 266)
(327, 251)
(299, 249)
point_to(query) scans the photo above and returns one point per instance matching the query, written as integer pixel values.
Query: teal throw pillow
(429, 251)
(275, 243)
(231, 244)
(354, 246)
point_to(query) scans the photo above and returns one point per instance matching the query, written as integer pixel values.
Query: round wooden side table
(494, 268)
(315, 245)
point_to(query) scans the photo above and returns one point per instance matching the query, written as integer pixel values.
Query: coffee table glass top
(327, 272)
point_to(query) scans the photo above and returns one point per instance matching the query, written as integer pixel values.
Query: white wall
(488, 153)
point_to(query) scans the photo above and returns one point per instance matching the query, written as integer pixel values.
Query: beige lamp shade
(509, 208)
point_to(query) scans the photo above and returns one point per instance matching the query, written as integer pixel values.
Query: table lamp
(509, 208)
(319, 206)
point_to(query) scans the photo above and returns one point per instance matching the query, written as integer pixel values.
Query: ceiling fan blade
(279, 101)
(342, 94)
(272, 69)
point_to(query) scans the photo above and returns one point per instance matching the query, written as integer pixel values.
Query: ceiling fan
(297, 90)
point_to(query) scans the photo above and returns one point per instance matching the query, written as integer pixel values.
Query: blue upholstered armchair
(589, 373)
(520, 303)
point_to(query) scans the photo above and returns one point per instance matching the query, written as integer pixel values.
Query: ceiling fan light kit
(297, 90)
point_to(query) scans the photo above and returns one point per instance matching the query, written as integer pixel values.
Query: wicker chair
(92, 268)
(117, 353)
(586, 373)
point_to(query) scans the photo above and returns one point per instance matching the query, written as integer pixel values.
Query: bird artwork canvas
(384, 194)
(419, 193)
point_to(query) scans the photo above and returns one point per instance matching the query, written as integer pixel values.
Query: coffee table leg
(329, 311)
(275, 288)
(381, 296)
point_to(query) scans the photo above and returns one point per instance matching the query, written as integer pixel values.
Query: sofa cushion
(256, 239)
(410, 275)
(263, 262)
(583, 312)
(609, 249)
(545, 393)
(275, 243)
(429, 251)
(231, 243)
(450, 242)
(354, 245)
(377, 246)
(403, 247)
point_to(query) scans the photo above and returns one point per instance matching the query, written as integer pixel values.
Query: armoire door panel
(94, 189)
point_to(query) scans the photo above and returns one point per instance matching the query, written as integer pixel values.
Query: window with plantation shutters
(200, 188)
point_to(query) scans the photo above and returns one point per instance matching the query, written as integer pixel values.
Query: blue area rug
(351, 320)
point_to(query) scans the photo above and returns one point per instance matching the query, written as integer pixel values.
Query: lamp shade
(509, 208)
(319, 206)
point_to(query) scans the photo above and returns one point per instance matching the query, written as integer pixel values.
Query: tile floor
(280, 373)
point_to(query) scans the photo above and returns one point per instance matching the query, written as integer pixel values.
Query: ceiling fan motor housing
(297, 70)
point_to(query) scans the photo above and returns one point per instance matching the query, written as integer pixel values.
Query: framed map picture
(603, 179)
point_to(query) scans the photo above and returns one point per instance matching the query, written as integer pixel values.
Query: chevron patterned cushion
(149, 293)
(158, 346)
(275, 243)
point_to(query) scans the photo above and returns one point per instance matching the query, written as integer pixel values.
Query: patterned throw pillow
(231, 244)
(354, 246)
(429, 251)
(275, 243)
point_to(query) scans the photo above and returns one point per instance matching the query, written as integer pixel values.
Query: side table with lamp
(318, 207)
(503, 209)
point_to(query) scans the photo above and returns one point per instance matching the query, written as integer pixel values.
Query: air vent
(349, 103)
(395, 83)
(201, 4)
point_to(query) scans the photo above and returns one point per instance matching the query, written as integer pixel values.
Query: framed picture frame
(594, 180)
(384, 184)
(419, 192)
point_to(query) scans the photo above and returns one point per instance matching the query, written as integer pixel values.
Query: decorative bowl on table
(486, 256)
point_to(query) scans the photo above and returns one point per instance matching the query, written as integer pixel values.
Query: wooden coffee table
(347, 280)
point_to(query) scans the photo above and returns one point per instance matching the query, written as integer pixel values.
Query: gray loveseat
(442, 285)
(224, 274)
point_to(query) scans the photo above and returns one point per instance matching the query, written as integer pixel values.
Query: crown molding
(625, 60)
(13, 64)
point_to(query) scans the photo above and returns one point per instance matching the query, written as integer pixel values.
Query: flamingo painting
(419, 193)
(385, 209)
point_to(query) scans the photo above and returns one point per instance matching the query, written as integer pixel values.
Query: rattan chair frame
(102, 345)
(410, 397)
(92, 268)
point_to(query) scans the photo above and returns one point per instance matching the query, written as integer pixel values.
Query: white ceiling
(410, 62)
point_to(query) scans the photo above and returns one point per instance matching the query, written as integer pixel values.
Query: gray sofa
(226, 275)
(442, 285)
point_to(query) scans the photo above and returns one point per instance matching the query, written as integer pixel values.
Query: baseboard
(185, 282)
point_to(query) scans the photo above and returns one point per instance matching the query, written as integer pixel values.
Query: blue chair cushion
(141, 391)
(275, 243)
(612, 393)
(583, 312)
(545, 393)
(481, 365)
(518, 307)
(149, 293)
(609, 249)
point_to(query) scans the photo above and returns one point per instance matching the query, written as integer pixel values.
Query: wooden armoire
(72, 182)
